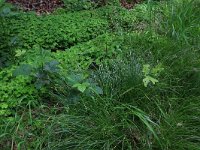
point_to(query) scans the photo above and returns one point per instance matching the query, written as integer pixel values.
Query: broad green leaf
(24, 69)
(81, 86)
(51, 66)
(76, 78)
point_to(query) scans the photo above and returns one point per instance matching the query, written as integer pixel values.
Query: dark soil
(46, 6)
(40, 6)
(129, 4)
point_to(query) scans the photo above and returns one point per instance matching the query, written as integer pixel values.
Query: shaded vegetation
(98, 76)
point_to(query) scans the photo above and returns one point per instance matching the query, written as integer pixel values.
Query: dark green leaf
(24, 69)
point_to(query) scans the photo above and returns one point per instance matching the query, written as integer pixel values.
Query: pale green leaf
(149, 79)
(156, 70)
(20, 53)
(146, 69)
(81, 87)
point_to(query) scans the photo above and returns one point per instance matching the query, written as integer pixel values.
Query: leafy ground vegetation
(95, 75)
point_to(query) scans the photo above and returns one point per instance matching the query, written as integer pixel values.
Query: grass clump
(180, 20)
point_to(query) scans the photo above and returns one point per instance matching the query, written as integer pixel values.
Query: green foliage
(48, 76)
(20, 53)
(149, 72)
(58, 32)
(14, 92)
(107, 46)
(112, 126)
(41, 73)
(91, 95)
(89, 54)
(8, 40)
(181, 21)
(121, 19)
(54, 33)
(114, 119)
(83, 84)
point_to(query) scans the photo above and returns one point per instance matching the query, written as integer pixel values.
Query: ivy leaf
(24, 69)
(149, 79)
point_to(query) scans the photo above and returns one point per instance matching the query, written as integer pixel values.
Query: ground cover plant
(96, 75)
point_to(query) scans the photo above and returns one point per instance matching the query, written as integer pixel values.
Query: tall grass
(181, 20)
(111, 121)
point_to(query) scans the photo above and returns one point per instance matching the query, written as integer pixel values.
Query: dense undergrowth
(101, 77)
